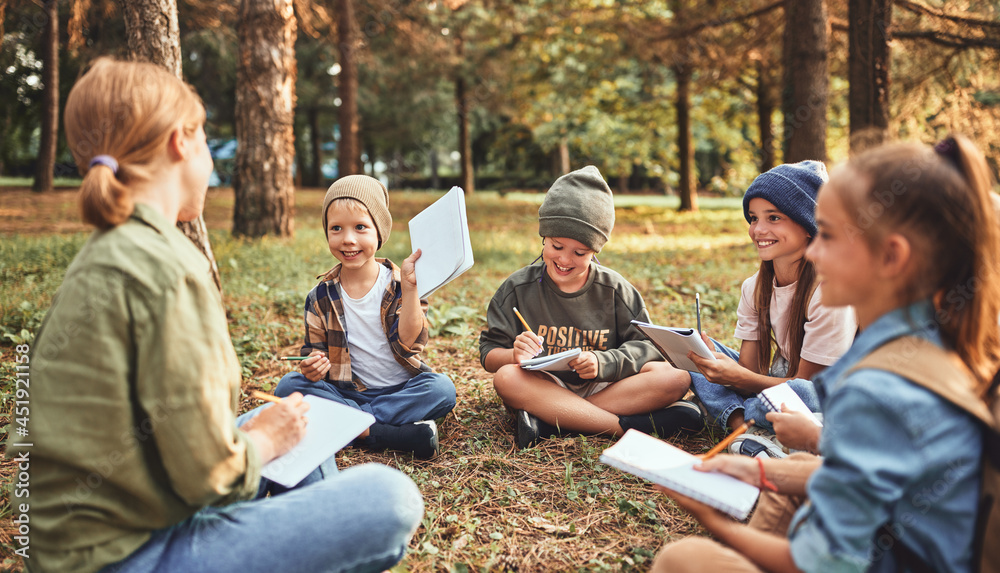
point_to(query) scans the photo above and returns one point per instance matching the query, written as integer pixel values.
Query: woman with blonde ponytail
(138, 462)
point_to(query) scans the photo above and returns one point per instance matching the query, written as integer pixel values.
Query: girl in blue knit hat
(786, 333)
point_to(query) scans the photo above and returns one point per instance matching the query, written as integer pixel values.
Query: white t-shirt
(829, 331)
(372, 360)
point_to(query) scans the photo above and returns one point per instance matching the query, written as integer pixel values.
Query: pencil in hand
(726, 441)
(524, 322)
(265, 397)
(292, 357)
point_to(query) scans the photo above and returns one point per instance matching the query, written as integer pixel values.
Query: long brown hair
(126, 110)
(763, 290)
(941, 200)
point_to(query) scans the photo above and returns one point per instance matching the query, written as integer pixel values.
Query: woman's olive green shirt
(134, 385)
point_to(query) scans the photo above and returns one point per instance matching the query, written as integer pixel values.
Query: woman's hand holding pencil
(277, 429)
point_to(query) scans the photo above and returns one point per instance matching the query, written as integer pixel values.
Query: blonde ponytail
(104, 201)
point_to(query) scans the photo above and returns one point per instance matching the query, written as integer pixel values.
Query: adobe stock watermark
(20, 505)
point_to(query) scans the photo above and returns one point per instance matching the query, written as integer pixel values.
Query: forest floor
(488, 505)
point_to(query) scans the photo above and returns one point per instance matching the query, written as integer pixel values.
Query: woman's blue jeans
(359, 519)
(721, 402)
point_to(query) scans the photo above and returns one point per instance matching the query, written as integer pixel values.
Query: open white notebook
(775, 396)
(553, 362)
(661, 463)
(441, 232)
(331, 426)
(675, 343)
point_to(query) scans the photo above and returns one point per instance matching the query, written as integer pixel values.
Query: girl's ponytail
(104, 201)
(972, 303)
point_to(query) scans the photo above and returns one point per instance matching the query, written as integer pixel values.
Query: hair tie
(948, 149)
(105, 160)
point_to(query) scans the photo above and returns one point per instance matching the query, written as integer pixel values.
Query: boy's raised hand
(527, 345)
(408, 272)
(316, 366)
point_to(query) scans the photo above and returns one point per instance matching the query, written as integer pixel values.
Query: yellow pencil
(524, 322)
(265, 397)
(726, 441)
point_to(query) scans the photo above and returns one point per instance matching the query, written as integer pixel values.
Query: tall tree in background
(683, 71)
(265, 118)
(462, 108)
(807, 82)
(868, 70)
(46, 163)
(349, 147)
(154, 36)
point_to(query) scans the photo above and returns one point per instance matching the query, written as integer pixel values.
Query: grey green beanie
(579, 206)
(792, 188)
(371, 193)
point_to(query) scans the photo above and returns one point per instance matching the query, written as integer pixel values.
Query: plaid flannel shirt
(324, 318)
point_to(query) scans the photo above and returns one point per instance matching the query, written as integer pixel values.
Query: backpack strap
(932, 367)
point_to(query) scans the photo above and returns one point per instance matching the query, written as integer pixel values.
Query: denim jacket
(894, 453)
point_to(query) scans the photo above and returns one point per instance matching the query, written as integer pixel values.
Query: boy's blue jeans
(360, 519)
(426, 396)
(721, 402)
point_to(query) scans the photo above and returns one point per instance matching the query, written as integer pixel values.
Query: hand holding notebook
(675, 343)
(661, 463)
(775, 396)
(553, 362)
(441, 232)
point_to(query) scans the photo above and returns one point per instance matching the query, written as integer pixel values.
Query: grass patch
(488, 505)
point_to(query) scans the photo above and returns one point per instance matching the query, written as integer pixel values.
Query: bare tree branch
(717, 22)
(947, 39)
(918, 8)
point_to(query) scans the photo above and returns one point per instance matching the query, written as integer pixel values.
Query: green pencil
(293, 358)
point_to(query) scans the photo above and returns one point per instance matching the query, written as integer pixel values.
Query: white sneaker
(757, 443)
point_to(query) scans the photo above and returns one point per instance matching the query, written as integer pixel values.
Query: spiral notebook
(553, 362)
(675, 343)
(661, 463)
(775, 396)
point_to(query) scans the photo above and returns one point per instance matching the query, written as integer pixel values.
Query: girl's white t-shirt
(372, 360)
(829, 331)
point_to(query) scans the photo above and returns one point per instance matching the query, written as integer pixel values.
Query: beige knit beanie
(579, 206)
(371, 193)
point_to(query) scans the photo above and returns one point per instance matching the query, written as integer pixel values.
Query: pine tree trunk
(685, 151)
(765, 114)
(349, 147)
(316, 148)
(265, 108)
(868, 71)
(806, 80)
(468, 183)
(45, 164)
(563, 157)
(154, 36)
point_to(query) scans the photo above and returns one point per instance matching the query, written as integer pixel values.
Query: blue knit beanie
(792, 188)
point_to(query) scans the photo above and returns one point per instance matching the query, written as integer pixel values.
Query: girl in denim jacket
(909, 238)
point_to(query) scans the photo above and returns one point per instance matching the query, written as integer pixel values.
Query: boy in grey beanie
(619, 380)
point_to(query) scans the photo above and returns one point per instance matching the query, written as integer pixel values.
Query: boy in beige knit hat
(619, 380)
(366, 326)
